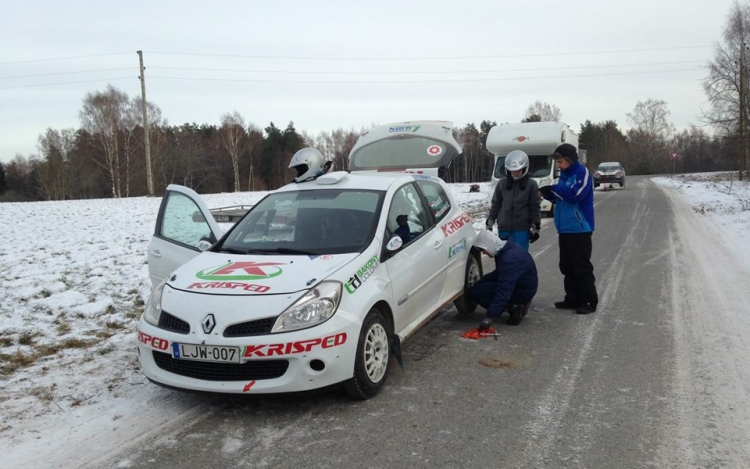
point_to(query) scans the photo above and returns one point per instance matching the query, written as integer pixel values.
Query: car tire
(371, 359)
(465, 305)
(622, 184)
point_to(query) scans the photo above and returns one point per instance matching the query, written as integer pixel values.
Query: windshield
(326, 221)
(608, 167)
(539, 166)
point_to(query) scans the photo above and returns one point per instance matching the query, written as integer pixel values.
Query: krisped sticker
(434, 150)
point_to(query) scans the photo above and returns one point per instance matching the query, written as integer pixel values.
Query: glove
(485, 324)
(488, 225)
(534, 232)
(544, 191)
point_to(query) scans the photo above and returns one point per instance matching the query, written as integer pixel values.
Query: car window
(329, 221)
(437, 199)
(182, 221)
(407, 216)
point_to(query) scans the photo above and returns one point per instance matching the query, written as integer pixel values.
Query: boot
(586, 308)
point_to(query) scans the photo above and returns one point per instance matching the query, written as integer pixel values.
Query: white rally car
(315, 284)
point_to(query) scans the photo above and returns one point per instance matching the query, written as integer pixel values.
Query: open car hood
(232, 274)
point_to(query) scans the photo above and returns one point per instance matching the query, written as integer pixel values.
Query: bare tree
(542, 112)
(648, 139)
(102, 116)
(54, 175)
(233, 139)
(254, 146)
(724, 80)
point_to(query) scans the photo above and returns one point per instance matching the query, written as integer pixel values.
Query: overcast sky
(348, 64)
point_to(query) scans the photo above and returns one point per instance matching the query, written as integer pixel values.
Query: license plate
(221, 218)
(206, 353)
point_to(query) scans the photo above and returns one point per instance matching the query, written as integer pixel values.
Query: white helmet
(488, 241)
(517, 160)
(309, 163)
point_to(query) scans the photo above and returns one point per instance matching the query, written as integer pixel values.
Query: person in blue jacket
(513, 283)
(573, 196)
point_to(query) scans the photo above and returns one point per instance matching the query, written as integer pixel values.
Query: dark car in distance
(608, 173)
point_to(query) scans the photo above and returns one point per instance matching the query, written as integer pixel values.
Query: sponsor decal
(404, 128)
(290, 348)
(455, 224)
(434, 150)
(241, 271)
(457, 248)
(326, 257)
(520, 138)
(230, 285)
(248, 386)
(363, 273)
(151, 341)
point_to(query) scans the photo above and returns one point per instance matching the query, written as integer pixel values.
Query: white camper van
(538, 140)
(419, 147)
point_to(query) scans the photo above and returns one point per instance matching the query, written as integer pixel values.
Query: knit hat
(487, 241)
(566, 150)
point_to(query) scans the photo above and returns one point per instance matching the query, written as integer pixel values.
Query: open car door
(184, 228)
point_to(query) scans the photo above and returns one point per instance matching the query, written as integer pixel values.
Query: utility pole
(743, 111)
(147, 144)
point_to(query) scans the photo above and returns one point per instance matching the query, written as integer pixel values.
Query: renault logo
(208, 323)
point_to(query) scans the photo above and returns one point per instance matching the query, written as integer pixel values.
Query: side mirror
(394, 244)
(205, 243)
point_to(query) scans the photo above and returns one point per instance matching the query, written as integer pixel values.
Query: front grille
(173, 324)
(245, 329)
(210, 371)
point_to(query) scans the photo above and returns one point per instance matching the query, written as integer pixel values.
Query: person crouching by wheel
(511, 286)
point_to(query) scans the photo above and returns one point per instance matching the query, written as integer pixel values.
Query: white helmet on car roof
(517, 160)
(309, 164)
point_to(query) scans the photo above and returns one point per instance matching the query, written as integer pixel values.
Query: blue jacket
(573, 196)
(516, 278)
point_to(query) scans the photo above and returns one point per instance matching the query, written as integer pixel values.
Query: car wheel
(371, 360)
(465, 305)
(622, 184)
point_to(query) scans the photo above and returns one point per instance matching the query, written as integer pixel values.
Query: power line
(468, 80)
(64, 58)
(421, 72)
(66, 73)
(68, 83)
(555, 54)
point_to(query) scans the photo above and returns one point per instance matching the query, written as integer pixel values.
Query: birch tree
(232, 137)
(102, 116)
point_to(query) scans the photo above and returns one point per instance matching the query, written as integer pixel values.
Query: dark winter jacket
(522, 207)
(516, 277)
(573, 196)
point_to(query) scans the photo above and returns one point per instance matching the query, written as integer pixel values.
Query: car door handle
(156, 253)
(437, 244)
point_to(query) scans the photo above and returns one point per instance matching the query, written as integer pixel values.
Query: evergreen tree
(2, 179)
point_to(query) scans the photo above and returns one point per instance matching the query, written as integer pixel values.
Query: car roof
(357, 180)
(610, 163)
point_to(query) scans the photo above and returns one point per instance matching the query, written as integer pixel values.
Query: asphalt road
(560, 390)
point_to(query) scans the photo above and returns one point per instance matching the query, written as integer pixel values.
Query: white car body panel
(409, 285)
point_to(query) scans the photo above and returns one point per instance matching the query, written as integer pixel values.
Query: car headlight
(153, 305)
(545, 182)
(314, 307)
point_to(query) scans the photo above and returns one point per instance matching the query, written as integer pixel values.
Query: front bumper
(609, 179)
(287, 362)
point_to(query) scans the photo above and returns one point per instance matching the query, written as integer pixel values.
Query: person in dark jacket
(573, 197)
(516, 205)
(513, 283)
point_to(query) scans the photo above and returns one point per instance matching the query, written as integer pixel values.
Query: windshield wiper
(281, 251)
(233, 250)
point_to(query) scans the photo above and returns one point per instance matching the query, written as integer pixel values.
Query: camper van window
(540, 165)
(407, 151)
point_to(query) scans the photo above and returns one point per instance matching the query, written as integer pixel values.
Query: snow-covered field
(74, 282)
